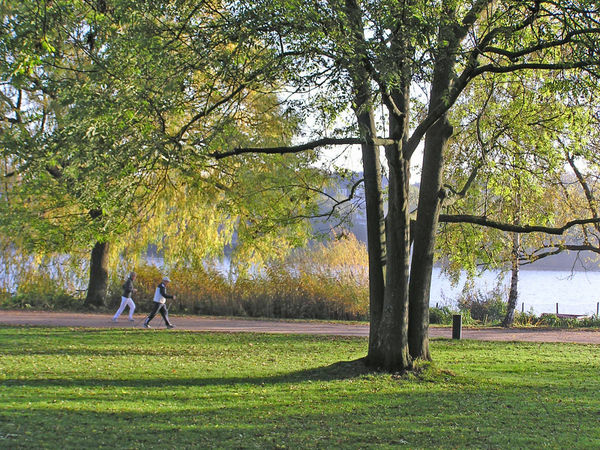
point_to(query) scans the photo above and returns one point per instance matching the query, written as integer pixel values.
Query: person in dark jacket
(128, 289)
(160, 296)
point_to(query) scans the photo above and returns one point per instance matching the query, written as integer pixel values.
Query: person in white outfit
(160, 296)
(128, 289)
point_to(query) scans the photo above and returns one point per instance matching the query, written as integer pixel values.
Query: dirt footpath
(199, 323)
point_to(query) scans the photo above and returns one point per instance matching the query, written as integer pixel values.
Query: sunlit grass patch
(67, 388)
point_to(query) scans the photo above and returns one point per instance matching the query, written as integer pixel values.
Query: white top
(158, 297)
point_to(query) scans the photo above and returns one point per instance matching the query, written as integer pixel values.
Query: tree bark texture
(393, 333)
(424, 238)
(430, 195)
(394, 326)
(363, 108)
(513, 294)
(98, 284)
(375, 230)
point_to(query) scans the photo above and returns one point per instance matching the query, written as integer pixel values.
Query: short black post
(456, 326)
(557, 309)
(523, 307)
(597, 309)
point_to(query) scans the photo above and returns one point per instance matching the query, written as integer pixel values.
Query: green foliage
(503, 125)
(441, 315)
(485, 307)
(121, 118)
(525, 319)
(126, 100)
(552, 320)
(519, 133)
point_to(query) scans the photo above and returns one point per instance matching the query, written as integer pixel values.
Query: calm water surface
(539, 290)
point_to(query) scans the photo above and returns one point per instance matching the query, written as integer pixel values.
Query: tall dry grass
(325, 281)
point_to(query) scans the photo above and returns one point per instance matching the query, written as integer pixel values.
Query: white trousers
(125, 302)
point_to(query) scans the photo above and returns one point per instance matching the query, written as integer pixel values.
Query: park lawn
(90, 388)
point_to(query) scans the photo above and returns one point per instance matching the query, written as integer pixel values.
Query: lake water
(539, 290)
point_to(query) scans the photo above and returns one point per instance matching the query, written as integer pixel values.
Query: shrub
(39, 281)
(591, 321)
(202, 291)
(38, 290)
(483, 306)
(325, 281)
(441, 315)
(552, 320)
(524, 319)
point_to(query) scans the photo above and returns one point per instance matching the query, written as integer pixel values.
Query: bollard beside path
(456, 326)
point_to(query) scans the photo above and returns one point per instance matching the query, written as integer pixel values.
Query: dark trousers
(159, 307)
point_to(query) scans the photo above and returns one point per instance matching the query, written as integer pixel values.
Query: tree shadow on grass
(341, 370)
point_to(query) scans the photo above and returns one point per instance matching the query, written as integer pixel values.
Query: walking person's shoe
(170, 326)
(147, 325)
(113, 319)
(132, 320)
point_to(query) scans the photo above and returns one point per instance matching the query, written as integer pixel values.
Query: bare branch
(555, 250)
(300, 148)
(337, 203)
(584, 185)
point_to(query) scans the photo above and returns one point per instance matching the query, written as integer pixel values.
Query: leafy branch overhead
(134, 103)
(118, 108)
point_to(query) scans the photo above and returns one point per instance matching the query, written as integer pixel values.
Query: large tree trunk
(363, 108)
(424, 238)
(393, 333)
(375, 230)
(98, 283)
(431, 193)
(513, 295)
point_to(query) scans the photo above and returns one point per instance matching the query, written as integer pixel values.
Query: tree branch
(301, 147)
(540, 46)
(469, 73)
(584, 185)
(208, 110)
(555, 250)
(491, 68)
(337, 203)
(461, 194)
(483, 221)
(472, 68)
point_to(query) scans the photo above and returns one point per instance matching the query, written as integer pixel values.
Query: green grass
(73, 388)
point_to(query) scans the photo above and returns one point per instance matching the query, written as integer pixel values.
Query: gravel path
(200, 323)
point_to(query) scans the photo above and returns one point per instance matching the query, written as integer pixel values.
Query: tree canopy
(111, 110)
(184, 85)
(420, 60)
